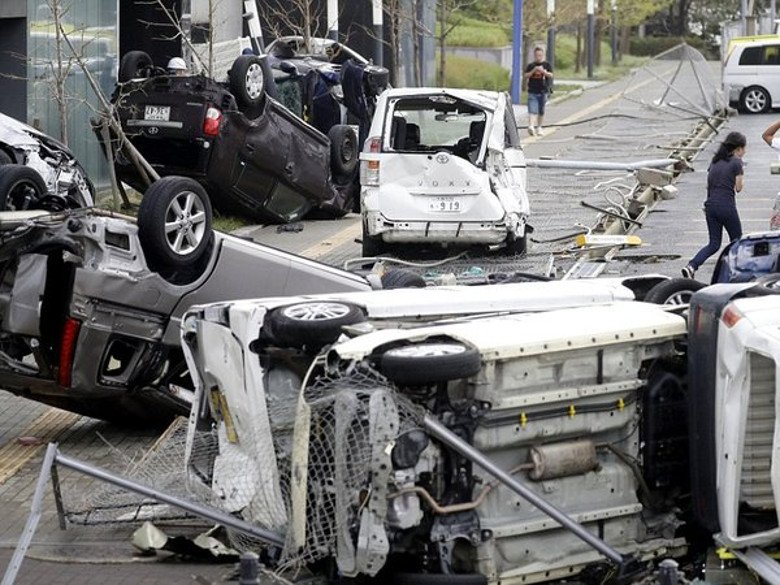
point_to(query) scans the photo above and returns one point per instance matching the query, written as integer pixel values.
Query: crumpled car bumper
(455, 232)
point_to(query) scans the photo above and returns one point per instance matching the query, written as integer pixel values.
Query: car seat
(476, 132)
(398, 132)
(412, 141)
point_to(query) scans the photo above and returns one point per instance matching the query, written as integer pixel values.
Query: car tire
(133, 65)
(174, 223)
(755, 100)
(312, 324)
(5, 158)
(675, 291)
(372, 245)
(247, 81)
(20, 188)
(421, 364)
(402, 278)
(343, 151)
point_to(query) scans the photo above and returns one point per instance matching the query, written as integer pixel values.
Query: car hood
(18, 134)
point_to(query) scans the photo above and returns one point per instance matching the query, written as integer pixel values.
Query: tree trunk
(598, 35)
(625, 40)
(578, 54)
(442, 73)
(60, 74)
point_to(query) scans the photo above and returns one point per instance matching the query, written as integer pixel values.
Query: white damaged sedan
(443, 167)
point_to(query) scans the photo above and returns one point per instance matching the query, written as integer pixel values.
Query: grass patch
(465, 72)
(229, 223)
(477, 33)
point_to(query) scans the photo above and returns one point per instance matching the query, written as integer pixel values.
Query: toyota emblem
(153, 130)
(442, 158)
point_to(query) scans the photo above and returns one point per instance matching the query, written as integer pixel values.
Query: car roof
(483, 98)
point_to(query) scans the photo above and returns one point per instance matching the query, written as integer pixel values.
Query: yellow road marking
(47, 427)
(331, 243)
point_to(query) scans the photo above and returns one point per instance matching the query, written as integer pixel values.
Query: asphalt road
(671, 234)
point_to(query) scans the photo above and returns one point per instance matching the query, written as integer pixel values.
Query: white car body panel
(750, 351)
(438, 196)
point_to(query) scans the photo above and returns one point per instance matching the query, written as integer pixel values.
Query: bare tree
(298, 17)
(447, 12)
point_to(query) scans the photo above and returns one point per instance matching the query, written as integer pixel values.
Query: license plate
(157, 113)
(444, 204)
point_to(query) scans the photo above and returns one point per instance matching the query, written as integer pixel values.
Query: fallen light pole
(543, 163)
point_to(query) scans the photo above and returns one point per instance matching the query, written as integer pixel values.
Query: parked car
(375, 454)
(39, 170)
(91, 303)
(273, 160)
(751, 74)
(443, 167)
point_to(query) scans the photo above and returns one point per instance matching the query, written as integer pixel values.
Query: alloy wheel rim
(316, 311)
(254, 80)
(428, 350)
(185, 223)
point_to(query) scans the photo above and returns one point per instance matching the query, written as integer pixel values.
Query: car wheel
(401, 278)
(343, 151)
(20, 188)
(247, 81)
(312, 324)
(5, 159)
(515, 246)
(675, 291)
(174, 222)
(133, 65)
(755, 100)
(421, 364)
(372, 245)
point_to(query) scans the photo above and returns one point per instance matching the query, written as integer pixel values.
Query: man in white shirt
(769, 135)
(772, 140)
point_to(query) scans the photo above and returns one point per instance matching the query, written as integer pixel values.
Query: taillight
(70, 332)
(731, 316)
(369, 170)
(212, 121)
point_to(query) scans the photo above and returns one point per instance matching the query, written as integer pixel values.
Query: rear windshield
(433, 123)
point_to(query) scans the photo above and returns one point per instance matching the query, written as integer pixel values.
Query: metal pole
(376, 19)
(551, 32)
(517, 49)
(614, 34)
(197, 509)
(772, 16)
(36, 507)
(446, 436)
(546, 163)
(333, 20)
(591, 18)
(743, 16)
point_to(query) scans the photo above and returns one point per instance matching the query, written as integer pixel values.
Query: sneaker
(532, 131)
(688, 272)
(539, 131)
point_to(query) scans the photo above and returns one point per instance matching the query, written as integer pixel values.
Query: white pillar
(333, 19)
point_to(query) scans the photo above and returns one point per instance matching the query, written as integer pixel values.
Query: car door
(768, 73)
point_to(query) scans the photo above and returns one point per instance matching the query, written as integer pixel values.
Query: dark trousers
(718, 218)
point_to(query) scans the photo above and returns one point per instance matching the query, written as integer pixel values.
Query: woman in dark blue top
(724, 181)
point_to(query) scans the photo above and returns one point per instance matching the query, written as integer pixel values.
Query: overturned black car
(274, 142)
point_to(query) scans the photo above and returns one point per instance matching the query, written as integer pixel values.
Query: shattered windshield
(438, 122)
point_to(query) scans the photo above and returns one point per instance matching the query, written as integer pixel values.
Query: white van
(751, 75)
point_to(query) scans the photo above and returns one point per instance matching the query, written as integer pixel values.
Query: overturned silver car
(90, 303)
